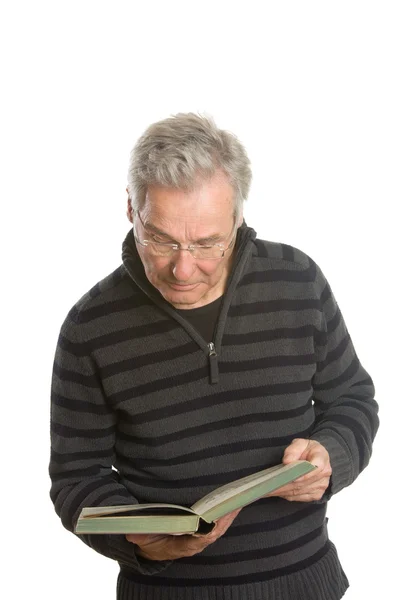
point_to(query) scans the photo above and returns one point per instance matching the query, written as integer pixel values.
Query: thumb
(295, 450)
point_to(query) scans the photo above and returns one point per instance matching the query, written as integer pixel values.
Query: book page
(149, 509)
(241, 486)
(231, 489)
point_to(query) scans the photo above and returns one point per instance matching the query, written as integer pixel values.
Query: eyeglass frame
(176, 247)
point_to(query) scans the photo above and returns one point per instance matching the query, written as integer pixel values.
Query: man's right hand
(171, 547)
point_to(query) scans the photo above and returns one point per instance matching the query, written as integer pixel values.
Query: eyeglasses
(198, 251)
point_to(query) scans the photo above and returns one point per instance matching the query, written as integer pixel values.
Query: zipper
(243, 253)
(213, 359)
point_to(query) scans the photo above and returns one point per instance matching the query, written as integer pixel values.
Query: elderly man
(207, 355)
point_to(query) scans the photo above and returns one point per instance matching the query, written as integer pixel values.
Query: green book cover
(200, 517)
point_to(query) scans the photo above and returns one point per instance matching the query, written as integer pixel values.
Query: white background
(312, 90)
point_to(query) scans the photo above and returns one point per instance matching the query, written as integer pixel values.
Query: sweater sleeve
(82, 448)
(343, 395)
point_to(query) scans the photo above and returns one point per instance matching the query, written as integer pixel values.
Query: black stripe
(118, 275)
(280, 333)
(116, 494)
(78, 474)
(372, 418)
(94, 381)
(117, 337)
(84, 492)
(279, 523)
(200, 455)
(213, 426)
(326, 294)
(257, 554)
(148, 359)
(320, 338)
(91, 381)
(267, 276)
(160, 384)
(230, 580)
(95, 290)
(74, 432)
(269, 306)
(106, 309)
(266, 362)
(78, 405)
(209, 480)
(334, 323)
(368, 381)
(69, 457)
(262, 250)
(358, 431)
(78, 497)
(184, 408)
(342, 378)
(336, 353)
(287, 252)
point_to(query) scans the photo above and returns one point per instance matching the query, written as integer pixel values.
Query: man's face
(204, 216)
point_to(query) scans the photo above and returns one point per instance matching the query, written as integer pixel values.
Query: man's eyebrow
(211, 239)
(155, 229)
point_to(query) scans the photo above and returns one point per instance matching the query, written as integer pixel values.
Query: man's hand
(170, 547)
(313, 485)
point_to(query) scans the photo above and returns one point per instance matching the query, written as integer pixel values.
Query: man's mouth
(184, 287)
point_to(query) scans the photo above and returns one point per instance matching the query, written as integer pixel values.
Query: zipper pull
(213, 358)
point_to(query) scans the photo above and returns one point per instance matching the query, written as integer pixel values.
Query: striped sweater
(143, 411)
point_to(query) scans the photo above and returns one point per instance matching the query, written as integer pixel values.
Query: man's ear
(129, 209)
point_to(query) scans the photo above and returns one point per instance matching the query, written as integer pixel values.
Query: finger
(226, 521)
(304, 498)
(317, 454)
(307, 497)
(282, 491)
(295, 450)
(314, 492)
(318, 458)
(298, 487)
(289, 488)
(229, 518)
(221, 526)
(190, 545)
(310, 478)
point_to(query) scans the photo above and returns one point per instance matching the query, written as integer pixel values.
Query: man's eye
(159, 240)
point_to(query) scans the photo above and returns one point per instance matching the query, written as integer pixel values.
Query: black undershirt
(204, 318)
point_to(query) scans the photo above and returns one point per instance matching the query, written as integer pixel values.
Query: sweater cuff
(124, 552)
(340, 459)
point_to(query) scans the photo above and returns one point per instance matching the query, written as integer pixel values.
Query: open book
(199, 518)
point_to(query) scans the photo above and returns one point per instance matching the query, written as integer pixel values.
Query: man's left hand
(312, 486)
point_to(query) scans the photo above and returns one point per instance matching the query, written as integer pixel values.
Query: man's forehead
(191, 211)
(192, 216)
(199, 227)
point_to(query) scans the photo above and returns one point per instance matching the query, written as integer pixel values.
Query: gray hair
(183, 150)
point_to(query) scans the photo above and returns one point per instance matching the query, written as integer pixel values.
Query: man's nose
(184, 265)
